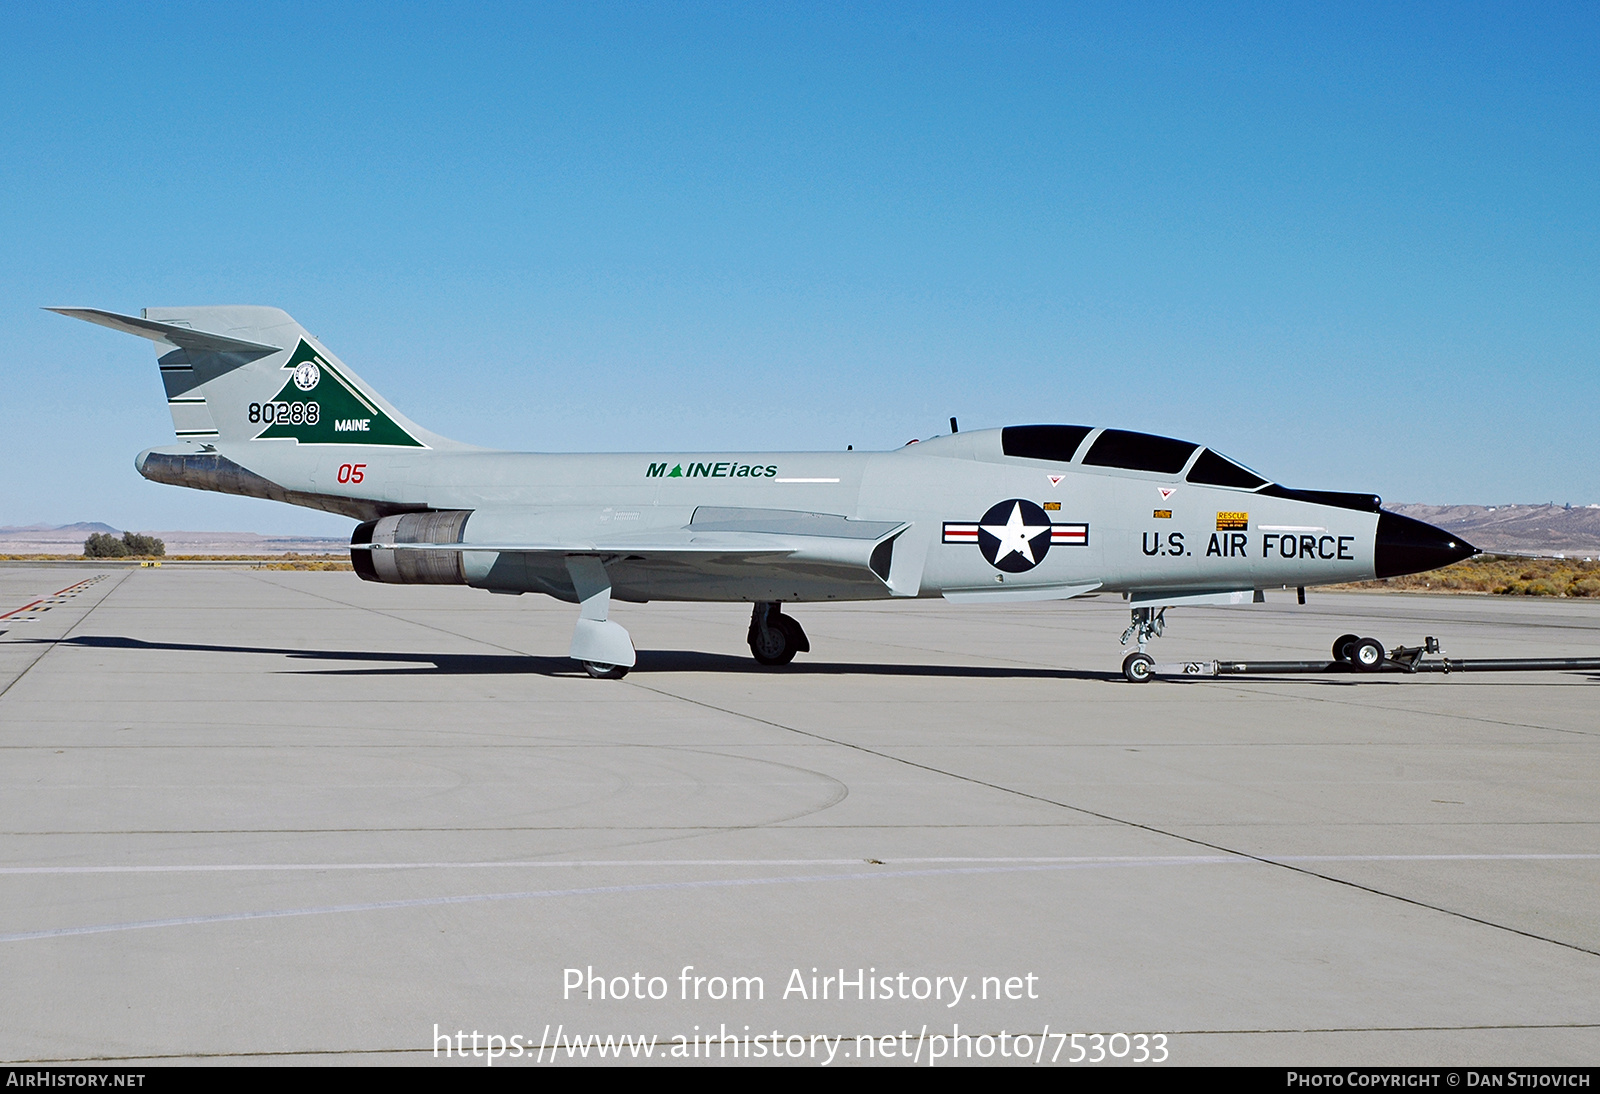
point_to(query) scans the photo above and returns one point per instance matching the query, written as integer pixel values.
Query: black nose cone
(1406, 546)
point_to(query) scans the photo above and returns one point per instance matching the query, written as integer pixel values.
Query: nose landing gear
(1148, 623)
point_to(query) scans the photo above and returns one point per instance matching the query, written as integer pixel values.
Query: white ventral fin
(999, 595)
(1194, 598)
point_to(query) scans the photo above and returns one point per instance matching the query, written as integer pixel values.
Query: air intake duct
(410, 567)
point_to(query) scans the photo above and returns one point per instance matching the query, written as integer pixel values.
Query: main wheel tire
(774, 645)
(605, 672)
(1138, 667)
(1342, 644)
(798, 642)
(1367, 654)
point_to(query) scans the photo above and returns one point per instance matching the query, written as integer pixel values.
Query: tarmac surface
(293, 817)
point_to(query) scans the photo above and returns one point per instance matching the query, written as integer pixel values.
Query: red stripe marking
(42, 599)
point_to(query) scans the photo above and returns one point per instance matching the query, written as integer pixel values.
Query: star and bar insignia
(1015, 535)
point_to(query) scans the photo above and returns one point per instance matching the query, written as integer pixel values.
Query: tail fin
(251, 373)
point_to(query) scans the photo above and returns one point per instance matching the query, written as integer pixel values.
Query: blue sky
(1353, 246)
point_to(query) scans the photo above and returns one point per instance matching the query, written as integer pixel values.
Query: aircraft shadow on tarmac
(650, 661)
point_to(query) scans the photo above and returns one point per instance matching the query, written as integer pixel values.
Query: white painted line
(314, 867)
(1000, 866)
(480, 898)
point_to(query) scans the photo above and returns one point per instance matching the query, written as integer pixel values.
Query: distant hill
(67, 539)
(1517, 529)
(88, 528)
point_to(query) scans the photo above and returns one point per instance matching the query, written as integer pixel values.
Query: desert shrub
(103, 545)
(143, 545)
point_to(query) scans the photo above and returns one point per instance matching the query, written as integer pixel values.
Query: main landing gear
(774, 637)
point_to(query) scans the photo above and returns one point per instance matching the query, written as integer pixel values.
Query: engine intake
(411, 567)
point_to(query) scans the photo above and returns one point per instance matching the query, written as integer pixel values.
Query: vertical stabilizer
(253, 374)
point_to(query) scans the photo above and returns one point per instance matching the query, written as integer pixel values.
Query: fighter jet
(995, 516)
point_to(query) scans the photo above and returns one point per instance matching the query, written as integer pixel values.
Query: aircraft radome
(995, 516)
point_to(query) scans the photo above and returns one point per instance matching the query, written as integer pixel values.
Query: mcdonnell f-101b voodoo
(995, 516)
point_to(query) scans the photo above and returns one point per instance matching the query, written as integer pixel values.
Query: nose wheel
(1138, 667)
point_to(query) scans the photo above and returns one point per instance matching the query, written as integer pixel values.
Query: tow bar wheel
(1341, 646)
(1138, 667)
(1366, 654)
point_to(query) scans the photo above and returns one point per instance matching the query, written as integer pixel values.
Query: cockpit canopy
(1129, 451)
(1122, 448)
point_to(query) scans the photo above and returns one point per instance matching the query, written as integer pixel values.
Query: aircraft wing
(712, 530)
(824, 549)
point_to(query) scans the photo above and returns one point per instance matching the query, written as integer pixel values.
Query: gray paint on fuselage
(955, 478)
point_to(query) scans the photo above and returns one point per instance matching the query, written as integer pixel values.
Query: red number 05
(352, 472)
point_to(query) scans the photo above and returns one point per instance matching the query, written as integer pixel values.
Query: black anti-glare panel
(1214, 470)
(1056, 443)
(1363, 503)
(1139, 452)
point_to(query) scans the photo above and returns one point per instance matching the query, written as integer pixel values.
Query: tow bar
(1360, 656)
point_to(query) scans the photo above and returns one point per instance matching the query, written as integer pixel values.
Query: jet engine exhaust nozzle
(1406, 546)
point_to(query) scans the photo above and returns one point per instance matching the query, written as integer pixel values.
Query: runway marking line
(981, 867)
(53, 599)
(1052, 860)
(1155, 829)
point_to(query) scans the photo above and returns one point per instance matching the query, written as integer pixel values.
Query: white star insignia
(1015, 536)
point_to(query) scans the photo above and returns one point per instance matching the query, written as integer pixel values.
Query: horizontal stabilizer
(182, 337)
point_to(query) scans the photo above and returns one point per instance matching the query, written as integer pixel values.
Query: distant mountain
(1517, 529)
(88, 528)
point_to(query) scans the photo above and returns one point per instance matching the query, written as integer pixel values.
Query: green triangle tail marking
(319, 406)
